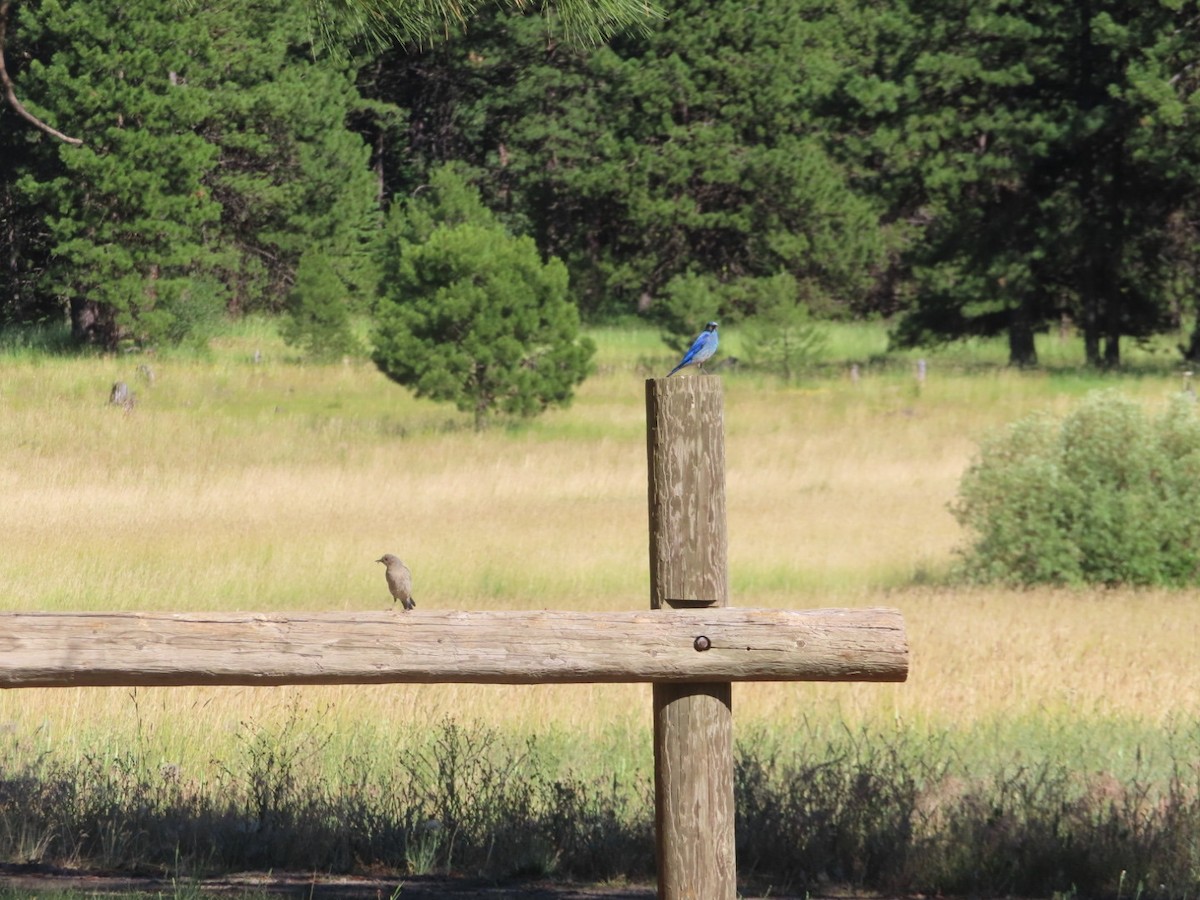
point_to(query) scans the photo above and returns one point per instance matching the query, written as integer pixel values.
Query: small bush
(470, 313)
(1108, 496)
(781, 338)
(689, 301)
(318, 320)
(475, 317)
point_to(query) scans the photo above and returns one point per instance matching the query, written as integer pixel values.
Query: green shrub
(1108, 496)
(318, 318)
(781, 337)
(476, 318)
(689, 302)
(472, 314)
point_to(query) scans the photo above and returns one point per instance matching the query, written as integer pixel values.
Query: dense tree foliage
(291, 175)
(969, 169)
(986, 169)
(318, 316)
(214, 150)
(128, 217)
(1052, 149)
(691, 149)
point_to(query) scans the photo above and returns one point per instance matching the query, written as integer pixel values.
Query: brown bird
(399, 580)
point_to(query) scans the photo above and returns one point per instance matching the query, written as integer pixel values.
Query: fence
(690, 645)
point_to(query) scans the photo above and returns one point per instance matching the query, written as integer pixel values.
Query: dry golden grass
(235, 486)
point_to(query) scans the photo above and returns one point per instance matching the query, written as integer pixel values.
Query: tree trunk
(85, 320)
(1021, 351)
(1112, 351)
(93, 323)
(1089, 296)
(1091, 343)
(1112, 325)
(1091, 305)
(1192, 352)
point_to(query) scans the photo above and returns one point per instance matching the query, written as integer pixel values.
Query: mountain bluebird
(702, 349)
(399, 580)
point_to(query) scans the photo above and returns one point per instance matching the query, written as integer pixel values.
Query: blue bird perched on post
(701, 351)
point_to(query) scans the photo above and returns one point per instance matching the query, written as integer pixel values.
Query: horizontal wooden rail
(501, 647)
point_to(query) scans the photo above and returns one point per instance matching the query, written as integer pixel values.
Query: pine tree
(1054, 146)
(216, 150)
(692, 148)
(318, 317)
(412, 24)
(130, 219)
(470, 314)
(291, 173)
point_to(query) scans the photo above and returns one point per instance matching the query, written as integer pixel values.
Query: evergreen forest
(955, 168)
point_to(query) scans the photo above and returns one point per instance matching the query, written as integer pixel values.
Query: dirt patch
(331, 887)
(42, 879)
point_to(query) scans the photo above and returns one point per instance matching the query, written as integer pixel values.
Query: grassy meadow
(272, 485)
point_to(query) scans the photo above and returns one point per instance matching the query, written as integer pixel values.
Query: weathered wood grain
(539, 647)
(693, 723)
(685, 449)
(693, 791)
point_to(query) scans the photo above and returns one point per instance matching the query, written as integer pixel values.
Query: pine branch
(10, 93)
(422, 22)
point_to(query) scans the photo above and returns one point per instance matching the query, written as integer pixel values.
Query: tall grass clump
(455, 798)
(1108, 496)
(901, 811)
(906, 812)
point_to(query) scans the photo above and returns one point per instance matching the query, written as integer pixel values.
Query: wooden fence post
(693, 723)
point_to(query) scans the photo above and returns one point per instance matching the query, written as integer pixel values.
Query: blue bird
(701, 351)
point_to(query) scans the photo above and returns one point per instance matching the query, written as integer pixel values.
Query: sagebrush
(1110, 495)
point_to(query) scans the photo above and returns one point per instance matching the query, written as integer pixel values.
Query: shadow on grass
(894, 813)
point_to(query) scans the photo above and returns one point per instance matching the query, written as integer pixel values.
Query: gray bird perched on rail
(399, 580)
